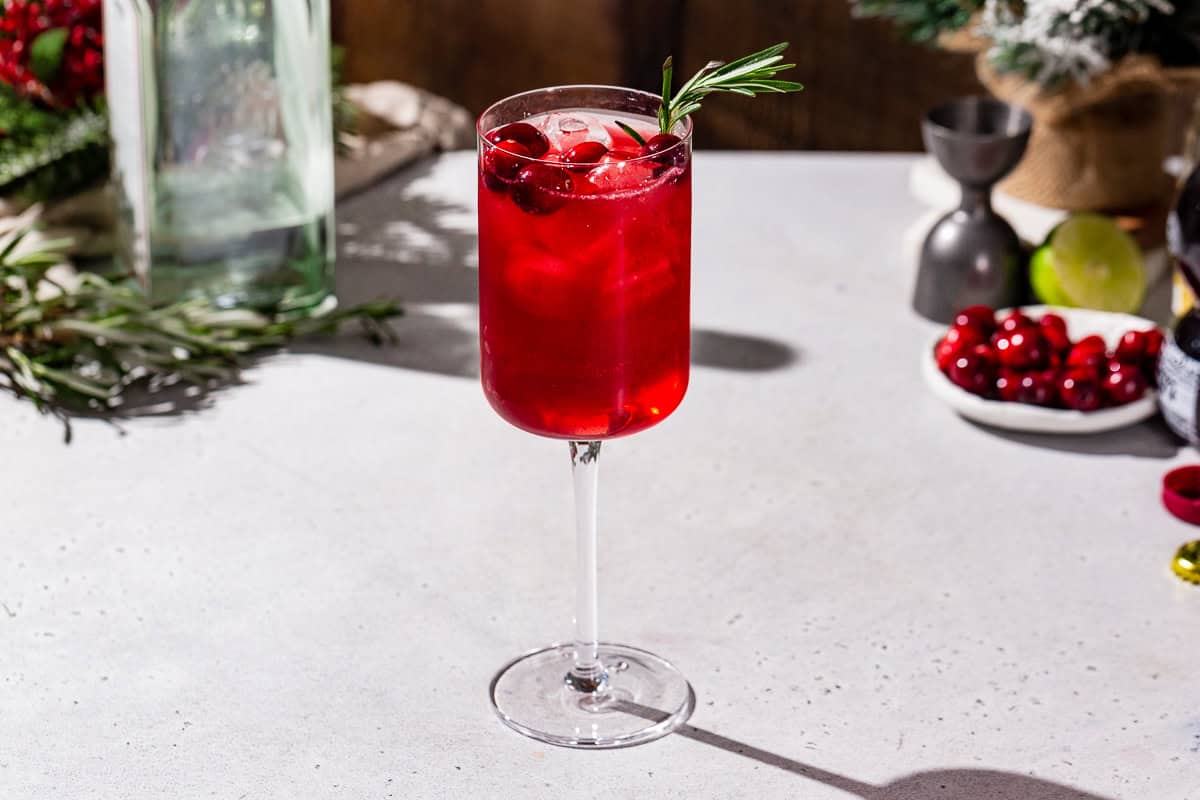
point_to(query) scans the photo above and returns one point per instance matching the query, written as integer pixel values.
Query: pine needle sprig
(748, 76)
(75, 345)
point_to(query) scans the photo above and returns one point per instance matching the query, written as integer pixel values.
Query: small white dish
(1036, 419)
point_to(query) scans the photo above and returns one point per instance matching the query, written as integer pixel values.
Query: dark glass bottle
(1179, 366)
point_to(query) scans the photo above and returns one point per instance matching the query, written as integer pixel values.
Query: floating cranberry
(1079, 388)
(1022, 349)
(1014, 320)
(1038, 389)
(972, 372)
(664, 150)
(533, 140)
(982, 318)
(541, 188)
(1123, 385)
(502, 162)
(1007, 384)
(1132, 347)
(585, 155)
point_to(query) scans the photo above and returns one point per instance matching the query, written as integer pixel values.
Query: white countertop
(303, 590)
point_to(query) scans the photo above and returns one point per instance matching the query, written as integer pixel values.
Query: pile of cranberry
(541, 186)
(80, 72)
(1017, 359)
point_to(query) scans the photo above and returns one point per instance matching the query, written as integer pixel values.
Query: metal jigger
(972, 255)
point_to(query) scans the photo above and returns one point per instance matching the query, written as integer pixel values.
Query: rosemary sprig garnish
(633, 134)
(76, 344)
(748, 75)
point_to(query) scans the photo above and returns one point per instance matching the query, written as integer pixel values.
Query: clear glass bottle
(223, 148)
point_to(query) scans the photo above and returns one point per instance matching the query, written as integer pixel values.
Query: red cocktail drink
(584, 271)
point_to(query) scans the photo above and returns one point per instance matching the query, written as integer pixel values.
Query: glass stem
(588, 674)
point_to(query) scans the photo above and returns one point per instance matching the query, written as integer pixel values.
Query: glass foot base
(645, 698)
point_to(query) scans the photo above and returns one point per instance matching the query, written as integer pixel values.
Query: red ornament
(80, 72)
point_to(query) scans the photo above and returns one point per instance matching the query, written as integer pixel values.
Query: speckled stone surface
(303, 590)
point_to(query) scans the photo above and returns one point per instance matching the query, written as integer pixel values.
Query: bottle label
(125, 26)
(1179, 390)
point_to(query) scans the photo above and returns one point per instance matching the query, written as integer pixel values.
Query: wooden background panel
(866, 88)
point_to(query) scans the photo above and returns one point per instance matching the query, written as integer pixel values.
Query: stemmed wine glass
(584, 294)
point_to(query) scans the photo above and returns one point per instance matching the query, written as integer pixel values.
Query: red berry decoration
(502, 162)
(541, 188)
(1038, 389)
(1013, 321)
(982, 318)
(533, 140)
(1132, 347)
(584, 154)
(1079, 388)
(79, 70)
(973, 372)
(1123, 385)
(1008, 382)
(1022, 349)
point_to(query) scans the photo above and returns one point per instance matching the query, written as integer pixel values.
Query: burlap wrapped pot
(1095, 146)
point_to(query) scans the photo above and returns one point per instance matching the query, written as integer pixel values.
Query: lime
(1043, 277)
(1095, 264)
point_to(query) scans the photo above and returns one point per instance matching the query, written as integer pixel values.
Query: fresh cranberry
(541, 188)
(945, 352)
(972, 372)
(1132, 347)
(964, 337)
(1038, 389)
(1054, 331)
(1007, 384)
(1124, 385)
(1154, 343)
(1092, 343)
(986, 352)
(502, 162)
(1014, 320)
(585, 155)
(1088, 352)
(1079, 388)
(533, 140)
(1052, 320)
(1021, 349)
(662, 148)
(982, 318)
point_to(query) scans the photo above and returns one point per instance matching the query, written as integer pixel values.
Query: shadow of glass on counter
(939, 784)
